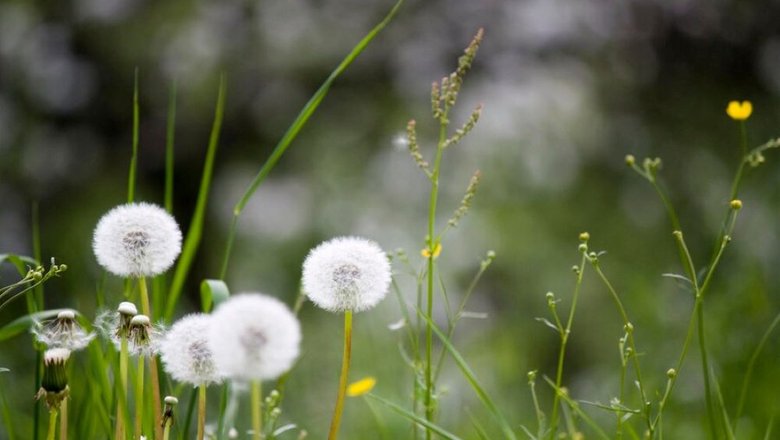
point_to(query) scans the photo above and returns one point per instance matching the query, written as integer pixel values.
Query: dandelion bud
(584, 237)
(170, 403)
(582, 247)
(346, 273)
(137, 239)
(254, 337)
(532, 376)
(62, 332)
(630, 160)
(629, 328)
(550, 296)
(736, 204)
(54, 384)
(170, 400)
(185, 352)
(671, 373)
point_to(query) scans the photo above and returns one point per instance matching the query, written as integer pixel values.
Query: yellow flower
(427, 252)
(361, 387)
(739, 111)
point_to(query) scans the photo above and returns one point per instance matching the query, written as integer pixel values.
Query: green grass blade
(134, 156)
(20, 262)
(23, 324)
(297, 125)
(7, 419)
(471, 378)
(195, 232)
(169, 145)
(750, 367)
(414, 417)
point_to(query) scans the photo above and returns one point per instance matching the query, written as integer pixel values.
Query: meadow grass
(113, 397)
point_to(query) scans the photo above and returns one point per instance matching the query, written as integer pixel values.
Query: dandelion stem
(167, 431)
(64, 420)
(52, 424)
(257, 414)
(201, 410)
(336, 421)
(139, 398)
(153, 372)
(121, 408)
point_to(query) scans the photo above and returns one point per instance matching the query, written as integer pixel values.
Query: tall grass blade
(169, 146)
(134, 155)
(751, 366)
(195, 233)
(414, 417)
(298, 124)
(471, 378)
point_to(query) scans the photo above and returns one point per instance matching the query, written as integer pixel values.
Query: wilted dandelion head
(254, 337)
(137, 239)
(62, 332)
(346, 273)
(54, 383)
(185, 352)
(143, 338)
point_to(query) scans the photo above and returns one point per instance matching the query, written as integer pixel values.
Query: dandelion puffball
(254, 337)
(346, 273)
(185, 352)
(137, 239)
(62, 332)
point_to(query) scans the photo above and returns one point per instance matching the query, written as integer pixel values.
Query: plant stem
(201, 410)
(121, 407)
(705, 369)
(64, 420)
(153, 371)
(257, 414)
(564, 339)
(336, 421)
(52, 424)
(139, 398)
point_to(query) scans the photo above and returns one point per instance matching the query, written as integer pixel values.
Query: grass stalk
(169, 147)
(121, 407)
(134, 156)
(257, 410)
(345, 360)
(154, 374)
(297, 125)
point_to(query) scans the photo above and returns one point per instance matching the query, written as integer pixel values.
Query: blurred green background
(569, 88)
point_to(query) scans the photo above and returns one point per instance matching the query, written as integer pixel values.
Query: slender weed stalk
(201, 411)
(257, 410)
(343, 377)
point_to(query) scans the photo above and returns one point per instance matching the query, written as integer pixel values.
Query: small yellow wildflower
(361, 387)
(427, 252)
(739, 111)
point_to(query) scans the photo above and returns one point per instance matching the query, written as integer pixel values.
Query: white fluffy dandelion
(346, 273)
(137, 239)
(254, 337)
(185, 352)
(62, 332)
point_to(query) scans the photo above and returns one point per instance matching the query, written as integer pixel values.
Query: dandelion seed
(62, 332)
(137, 239)
(346, 273)
(739, 111)
(254, 337)
(185, 352)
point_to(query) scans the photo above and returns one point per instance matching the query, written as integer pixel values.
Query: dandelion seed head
(56, 356)
(62, 332)
(137, 239)
(185, 352)
(254, 337)
(127, 308)
(143, 338)
(346, 273)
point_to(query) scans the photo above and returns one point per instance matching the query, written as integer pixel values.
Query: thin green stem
(139, 398)
(153, 370)
(64, 419)
(750, 367)
(631, 343)
(134, 156)
(201, 410)
(52, 424)
(121, 407)
(564, 339)
(257, 410)
(705, 370)
(339, 409)
(169, 147)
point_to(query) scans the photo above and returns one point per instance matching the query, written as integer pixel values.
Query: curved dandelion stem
(336, 421)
